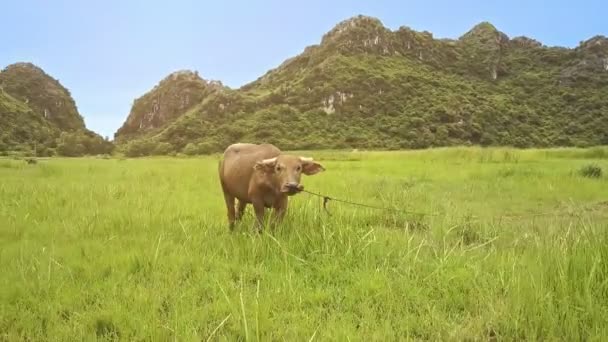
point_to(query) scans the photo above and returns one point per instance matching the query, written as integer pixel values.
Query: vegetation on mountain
(365, 86)
(38, 116)
(172, 97)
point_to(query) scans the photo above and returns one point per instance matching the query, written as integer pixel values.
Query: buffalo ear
(266, 165)
(310, 167)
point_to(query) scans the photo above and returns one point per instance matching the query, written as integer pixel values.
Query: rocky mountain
(366, 86)
(172, 97)
(39, 116)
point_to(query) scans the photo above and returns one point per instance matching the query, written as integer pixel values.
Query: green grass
(139, 249)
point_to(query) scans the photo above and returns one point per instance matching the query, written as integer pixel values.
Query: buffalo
(263, 176)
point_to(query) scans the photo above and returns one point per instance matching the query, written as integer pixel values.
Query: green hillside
(39, 116)
(365, 86)
(172, 97)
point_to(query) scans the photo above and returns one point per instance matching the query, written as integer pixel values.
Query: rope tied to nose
(326, 200)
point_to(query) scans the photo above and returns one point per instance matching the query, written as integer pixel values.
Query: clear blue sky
(110, 52)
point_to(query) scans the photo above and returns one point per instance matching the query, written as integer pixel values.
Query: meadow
(487, 244)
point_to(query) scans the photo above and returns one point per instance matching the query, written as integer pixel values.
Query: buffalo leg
(259, 215)
(230, 207)
(280, 209)
(241, 210)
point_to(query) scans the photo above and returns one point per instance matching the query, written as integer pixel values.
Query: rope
(326, 200)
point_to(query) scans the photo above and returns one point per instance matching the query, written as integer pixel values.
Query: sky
(107, 53)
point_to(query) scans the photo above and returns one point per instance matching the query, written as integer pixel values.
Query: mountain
(172, 97)
(39, 116)
(366, 86)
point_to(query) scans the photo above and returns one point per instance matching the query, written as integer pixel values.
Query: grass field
(515, 248)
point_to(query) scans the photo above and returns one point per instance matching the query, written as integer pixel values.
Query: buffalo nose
(292, 186)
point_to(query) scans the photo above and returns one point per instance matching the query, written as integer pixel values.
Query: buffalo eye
(279, 168)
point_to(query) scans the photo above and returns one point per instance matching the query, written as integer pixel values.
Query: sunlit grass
(140, 249)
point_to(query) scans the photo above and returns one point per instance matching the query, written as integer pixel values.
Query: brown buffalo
(263, 176)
